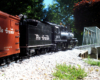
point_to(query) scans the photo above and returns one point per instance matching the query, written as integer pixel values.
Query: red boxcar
(9, 34)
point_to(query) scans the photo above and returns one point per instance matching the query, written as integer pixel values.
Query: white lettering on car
(44, 37)
(11, 31)
(37, 37)
(1, 30)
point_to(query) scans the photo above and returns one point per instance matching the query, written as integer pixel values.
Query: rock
(41, 67)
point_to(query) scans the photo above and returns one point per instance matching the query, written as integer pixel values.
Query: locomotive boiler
(69, 36)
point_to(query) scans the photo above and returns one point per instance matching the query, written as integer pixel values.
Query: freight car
(21, 36)
(9, 37)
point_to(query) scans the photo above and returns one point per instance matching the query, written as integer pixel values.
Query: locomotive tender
(29, 36)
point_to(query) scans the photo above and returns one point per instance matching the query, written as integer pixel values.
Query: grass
(92, 62)
(64, 72)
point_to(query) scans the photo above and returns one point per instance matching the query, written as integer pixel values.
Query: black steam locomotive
(41, 36)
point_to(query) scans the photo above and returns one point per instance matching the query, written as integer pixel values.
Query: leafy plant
(31, 8)
(92, 62)
(69, 72)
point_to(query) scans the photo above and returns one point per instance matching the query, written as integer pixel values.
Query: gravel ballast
(41, 67)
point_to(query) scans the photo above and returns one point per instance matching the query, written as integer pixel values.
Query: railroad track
(84, 47)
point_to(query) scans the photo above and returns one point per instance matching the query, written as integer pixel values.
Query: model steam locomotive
(20, 36)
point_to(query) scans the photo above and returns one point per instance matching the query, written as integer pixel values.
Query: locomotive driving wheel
(63, 46)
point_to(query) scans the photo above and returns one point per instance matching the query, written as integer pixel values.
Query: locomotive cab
(57, 33)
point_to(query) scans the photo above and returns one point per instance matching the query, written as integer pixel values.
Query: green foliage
(32, 8)
(69, 72)
(62, 11)
(36, 10)
(92, 62)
